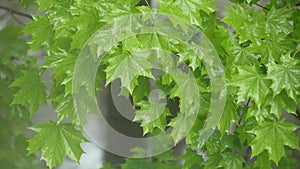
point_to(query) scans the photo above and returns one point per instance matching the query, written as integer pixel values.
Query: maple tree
(258, 47)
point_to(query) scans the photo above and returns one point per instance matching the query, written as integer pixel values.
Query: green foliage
(14, 119)
(30, 83)
(272, 136)
(165, 161)
(55, 141)
(258, 48)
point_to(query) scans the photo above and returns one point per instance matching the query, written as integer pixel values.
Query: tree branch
(16, 12)
(262, 6)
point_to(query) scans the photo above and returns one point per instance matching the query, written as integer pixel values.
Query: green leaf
(280, 102)
(152, 114)
(188, 9)
(55, 141)
(285, 76)
(136, 163)
(86, 20)
(213, 161)
(263, 161)
(128, 68)
(248, 25)
(11, 44)
(247, 125)
(41, 30)
(191, 159)
(229, 115)
(187, 90)
(26, 3)
(45, 4)
(273, 47)
(251, 83)
(107, 166)
(231, 161)
(141, 90)
(181, 126)
(31, 90)
(277, 21)
(217, 143)
(64, 105)
(288, 162)
(62, 63)
(237, 54)
(273, 136)
(260, 113)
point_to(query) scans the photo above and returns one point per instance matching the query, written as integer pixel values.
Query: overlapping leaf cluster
(258, 48)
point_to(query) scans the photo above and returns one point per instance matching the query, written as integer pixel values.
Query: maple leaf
(64, 105)
(107, 166)
(247, 23)
(152, 114)
(141, 90)
(273, 47)
(229, 115)
(11, 45)
(62, 63)
(262, 161)
(86, 20)
(251, 83)
(45, 4)
(188, 9)
(55, 141)
(285, 76)
(181, 124)
(259, 112)
(277, 21)
(41, 30)
(31, 90)
(191, 159)
(127, 68)
(280, 102)
(187, 90)
(272, 137)
(230, 160)
(237, 54)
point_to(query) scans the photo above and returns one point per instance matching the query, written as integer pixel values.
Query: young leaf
(55, 141)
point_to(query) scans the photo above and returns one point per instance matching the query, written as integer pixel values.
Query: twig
(242, 113)
(262, 7)
(16, 12)
(148, 3)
